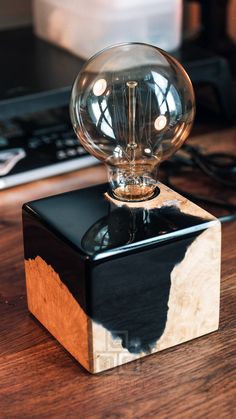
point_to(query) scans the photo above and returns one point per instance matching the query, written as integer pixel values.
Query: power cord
(220, 167)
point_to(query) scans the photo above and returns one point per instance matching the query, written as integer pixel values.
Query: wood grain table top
(38, 378)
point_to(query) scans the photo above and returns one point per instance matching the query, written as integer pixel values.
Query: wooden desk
(38, 378)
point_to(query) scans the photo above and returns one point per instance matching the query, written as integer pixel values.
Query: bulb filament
(132, 145)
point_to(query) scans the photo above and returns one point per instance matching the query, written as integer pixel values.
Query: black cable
(211, 166)
(220, 167)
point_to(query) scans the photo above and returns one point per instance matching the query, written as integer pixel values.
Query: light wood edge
(50, 301)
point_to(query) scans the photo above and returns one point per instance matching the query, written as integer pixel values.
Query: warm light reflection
(99, 87)
(160, 122)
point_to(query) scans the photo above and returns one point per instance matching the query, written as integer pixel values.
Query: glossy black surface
(65, 261)
(98, 228)
(130, 294)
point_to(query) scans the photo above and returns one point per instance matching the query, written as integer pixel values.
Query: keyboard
(39, 145)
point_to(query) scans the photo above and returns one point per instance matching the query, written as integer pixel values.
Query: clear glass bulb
(132, 106)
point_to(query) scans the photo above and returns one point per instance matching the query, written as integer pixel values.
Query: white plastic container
(87, 26)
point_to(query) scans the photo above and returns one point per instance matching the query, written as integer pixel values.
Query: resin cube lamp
(122, 270)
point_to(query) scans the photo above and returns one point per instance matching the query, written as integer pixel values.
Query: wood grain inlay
(166, 197)
(195, 291)
(54, 306)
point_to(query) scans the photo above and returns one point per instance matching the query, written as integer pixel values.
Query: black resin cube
(115, 281)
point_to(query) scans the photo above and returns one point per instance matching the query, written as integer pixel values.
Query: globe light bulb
(132, 106)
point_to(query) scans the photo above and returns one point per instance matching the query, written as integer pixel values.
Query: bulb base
(132, 184)
(134, 192)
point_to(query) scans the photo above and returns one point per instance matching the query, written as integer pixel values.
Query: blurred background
(15, 13)
(44, 43)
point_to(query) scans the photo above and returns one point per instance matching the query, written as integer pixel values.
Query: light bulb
(132, 106)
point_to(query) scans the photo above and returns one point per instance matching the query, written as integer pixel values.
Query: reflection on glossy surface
(93, 224)
(124, 226)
